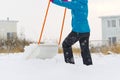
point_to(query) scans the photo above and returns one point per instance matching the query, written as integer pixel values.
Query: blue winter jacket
(79, 11)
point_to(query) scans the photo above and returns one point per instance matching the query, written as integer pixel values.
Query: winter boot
(87, 61)
(85, 52)
(68, 55)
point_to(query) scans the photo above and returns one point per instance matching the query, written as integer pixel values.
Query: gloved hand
(51, 0)
(63, 0)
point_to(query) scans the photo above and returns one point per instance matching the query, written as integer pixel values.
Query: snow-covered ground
(17, 67)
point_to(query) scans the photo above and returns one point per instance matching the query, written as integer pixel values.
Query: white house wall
(7, 26)
(110, 31)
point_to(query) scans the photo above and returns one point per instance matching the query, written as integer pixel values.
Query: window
(109, 39)
(11, 35)
(119, 22)
(108, 23)
(113, 40)
(113, 23)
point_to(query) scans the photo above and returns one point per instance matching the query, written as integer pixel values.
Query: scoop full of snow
(42, 51)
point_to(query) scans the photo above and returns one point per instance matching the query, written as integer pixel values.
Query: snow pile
(41, 51)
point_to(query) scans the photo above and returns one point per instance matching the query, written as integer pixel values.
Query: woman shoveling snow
(80, 30)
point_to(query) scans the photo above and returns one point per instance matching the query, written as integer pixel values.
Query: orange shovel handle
(44, 22)
(62, 26)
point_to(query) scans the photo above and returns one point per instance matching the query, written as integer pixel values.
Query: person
(80, 30)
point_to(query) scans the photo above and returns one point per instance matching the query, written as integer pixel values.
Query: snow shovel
(45, 50)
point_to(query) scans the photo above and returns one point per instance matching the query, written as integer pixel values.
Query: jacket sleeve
(67, 4)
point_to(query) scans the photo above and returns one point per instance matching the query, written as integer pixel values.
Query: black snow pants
(83, 39)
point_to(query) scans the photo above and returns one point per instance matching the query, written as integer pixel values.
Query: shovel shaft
(44, 22)
(62, 26)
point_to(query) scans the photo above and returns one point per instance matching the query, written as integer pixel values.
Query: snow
(15, 66)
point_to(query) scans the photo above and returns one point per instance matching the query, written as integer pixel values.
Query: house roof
(112, 16)
(10, 21)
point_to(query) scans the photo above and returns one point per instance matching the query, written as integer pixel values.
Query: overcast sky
(30, 14)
